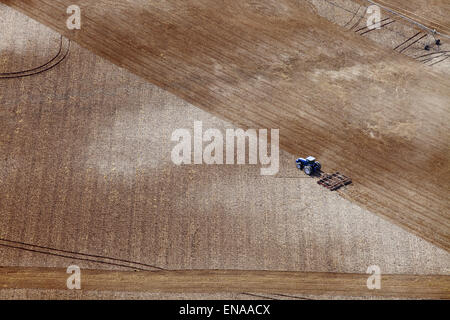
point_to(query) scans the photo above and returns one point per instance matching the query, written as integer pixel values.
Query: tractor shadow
(317, 174)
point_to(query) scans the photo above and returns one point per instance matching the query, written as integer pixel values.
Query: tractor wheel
(308, 170)
(299, 166)
(318, 166)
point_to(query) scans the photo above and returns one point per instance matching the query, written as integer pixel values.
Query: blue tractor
(309, 165)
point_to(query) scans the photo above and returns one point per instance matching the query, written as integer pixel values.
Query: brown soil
(87, 168)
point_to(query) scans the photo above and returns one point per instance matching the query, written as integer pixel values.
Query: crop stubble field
(331, 93)
(388, 134)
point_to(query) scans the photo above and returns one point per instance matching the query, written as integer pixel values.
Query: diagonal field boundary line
(74, 255)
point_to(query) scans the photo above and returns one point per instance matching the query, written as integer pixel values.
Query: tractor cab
(311, 159)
